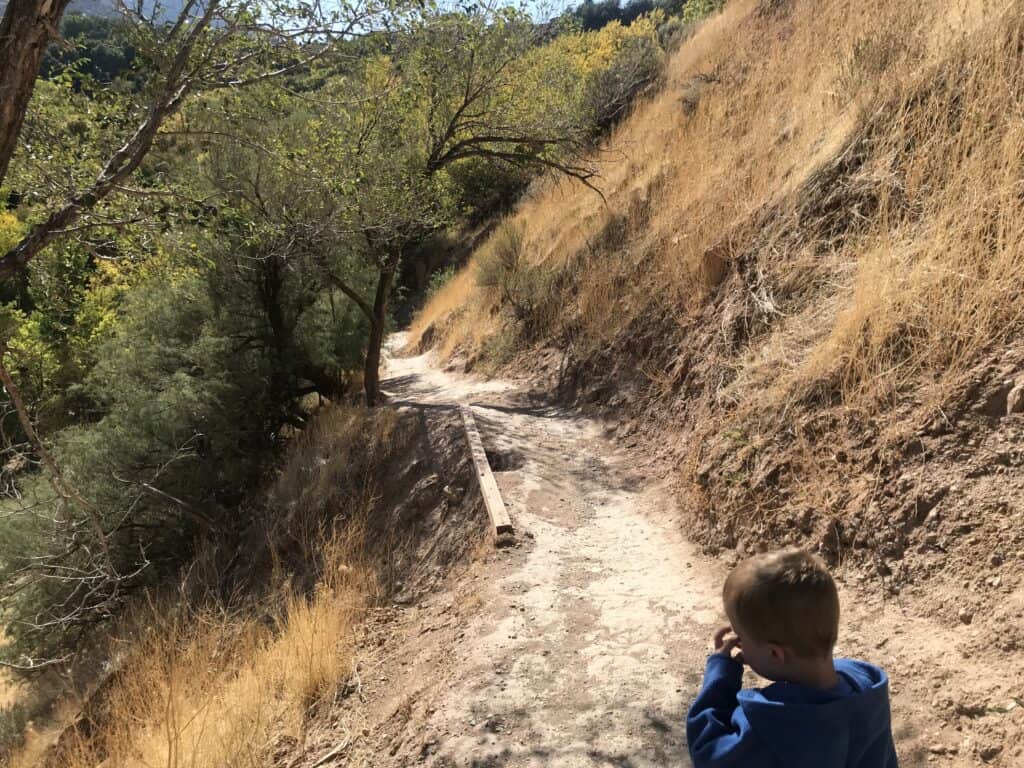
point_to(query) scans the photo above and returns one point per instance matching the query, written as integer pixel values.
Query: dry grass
(10, 691)
(203, 685)
(212, 688)
(918, 271)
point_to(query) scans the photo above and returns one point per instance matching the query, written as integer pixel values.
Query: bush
(190, 389)
(439, 279)
(524, 288)
(635, 67)
(484, 188)
(673, 33)
(13, 721)
(696, 10)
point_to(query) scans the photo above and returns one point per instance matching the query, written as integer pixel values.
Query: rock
(1015, 400)
(996, 559)
(626, 429)
(965, 616)
(989, 752)
(971, 708)
(927, 501)
(806, 521)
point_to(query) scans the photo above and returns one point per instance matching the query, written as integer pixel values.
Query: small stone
(996, 559)
(965, 616)
(1015, 400)
(989, 751)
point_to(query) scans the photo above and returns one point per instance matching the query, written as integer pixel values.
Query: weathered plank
(500, 521)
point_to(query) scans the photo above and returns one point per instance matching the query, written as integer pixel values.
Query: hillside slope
(582, 645)
(804, 287)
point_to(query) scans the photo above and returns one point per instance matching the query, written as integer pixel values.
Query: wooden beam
(500, 521)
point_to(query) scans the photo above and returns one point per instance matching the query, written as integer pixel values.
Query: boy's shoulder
(814, 727)
(863, 690)
(855, 677)
(862, 674)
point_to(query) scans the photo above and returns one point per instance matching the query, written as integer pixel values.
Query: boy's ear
(778, 653)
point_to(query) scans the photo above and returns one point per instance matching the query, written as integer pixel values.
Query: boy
(819, 712)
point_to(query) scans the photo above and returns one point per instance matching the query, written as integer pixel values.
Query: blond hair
(786, 597)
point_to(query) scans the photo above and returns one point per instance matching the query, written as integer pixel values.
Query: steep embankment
(253, 660)
(805, 289)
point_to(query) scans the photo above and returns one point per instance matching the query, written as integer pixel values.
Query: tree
(210, 45)
(95, 44)
(26, 29)
(187, 392)
(367, 160)
(455, 88)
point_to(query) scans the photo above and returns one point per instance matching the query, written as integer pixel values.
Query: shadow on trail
(537, 411)
(421, 406)
(662, 732)
(665, 745)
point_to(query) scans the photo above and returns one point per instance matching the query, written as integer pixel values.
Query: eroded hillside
(803, 284)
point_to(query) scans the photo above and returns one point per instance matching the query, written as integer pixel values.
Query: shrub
(13, 721)
(696, 10)
(186, 400)
(635, 67)
(526, 289)
(439, 280)
(673, 33)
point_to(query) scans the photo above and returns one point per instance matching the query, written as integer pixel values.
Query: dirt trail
(590, 640)
(585, 644)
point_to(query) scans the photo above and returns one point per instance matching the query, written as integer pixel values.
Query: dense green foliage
(695, 10)
(163, 347)
(94, 47)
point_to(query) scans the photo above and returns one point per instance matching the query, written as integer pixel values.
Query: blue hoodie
(787, 725)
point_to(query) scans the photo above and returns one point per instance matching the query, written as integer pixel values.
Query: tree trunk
(371, 369)
(26, 29)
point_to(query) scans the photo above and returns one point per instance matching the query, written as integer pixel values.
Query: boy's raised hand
(726, 641)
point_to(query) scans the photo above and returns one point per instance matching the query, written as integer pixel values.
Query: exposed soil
(583, 644)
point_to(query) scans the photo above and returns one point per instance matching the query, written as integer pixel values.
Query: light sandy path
(592, 636)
